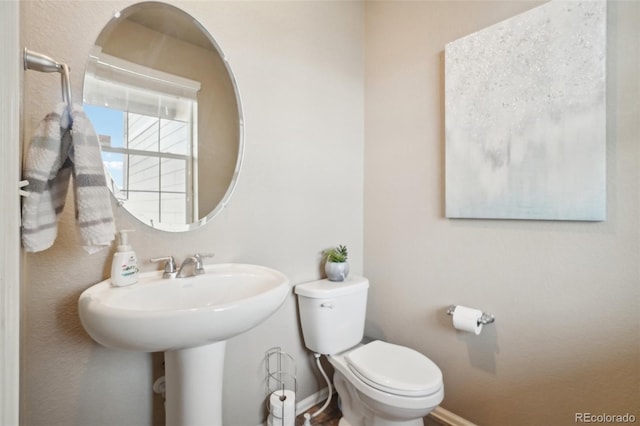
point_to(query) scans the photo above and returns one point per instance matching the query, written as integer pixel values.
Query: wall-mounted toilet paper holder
(484, 319)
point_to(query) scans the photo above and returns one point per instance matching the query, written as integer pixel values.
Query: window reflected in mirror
(147, 125)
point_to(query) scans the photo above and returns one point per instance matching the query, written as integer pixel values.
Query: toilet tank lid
(324, 288)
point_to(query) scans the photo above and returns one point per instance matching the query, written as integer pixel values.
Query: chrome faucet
(192, 266)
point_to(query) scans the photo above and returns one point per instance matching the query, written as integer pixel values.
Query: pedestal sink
(189, 319)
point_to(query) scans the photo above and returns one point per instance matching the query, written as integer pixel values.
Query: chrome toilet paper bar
(484, 319)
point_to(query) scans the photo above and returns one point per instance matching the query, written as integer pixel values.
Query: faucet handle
(199, 264)
(169, 266)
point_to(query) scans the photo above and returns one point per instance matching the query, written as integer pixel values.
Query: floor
(331, 416)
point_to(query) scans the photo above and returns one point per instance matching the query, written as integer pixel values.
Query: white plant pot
(336, 271)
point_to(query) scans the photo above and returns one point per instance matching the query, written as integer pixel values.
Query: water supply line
(307, 416)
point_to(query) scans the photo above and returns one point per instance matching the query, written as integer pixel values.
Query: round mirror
(165, 105)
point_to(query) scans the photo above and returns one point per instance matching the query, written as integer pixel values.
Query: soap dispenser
(124, 270)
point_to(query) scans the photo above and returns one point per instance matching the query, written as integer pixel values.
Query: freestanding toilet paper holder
(484, 319)
(282, 385)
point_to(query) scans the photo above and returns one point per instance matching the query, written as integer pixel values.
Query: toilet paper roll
(466, 319)
(282, 406)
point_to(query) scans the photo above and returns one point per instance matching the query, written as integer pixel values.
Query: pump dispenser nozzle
(123, 236)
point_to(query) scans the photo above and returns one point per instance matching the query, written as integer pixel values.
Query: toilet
(379, 383)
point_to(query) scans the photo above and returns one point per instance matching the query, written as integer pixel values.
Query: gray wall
(300, 68)
(565, 295)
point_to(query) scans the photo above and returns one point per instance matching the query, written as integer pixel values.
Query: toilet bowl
(379, 383)
(386, 384)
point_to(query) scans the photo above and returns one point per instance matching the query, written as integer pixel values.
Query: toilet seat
(395, 369)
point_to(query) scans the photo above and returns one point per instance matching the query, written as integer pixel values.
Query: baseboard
(446, 417)
(441, 415)
(311, 400)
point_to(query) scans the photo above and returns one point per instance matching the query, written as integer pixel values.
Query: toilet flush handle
(326, 305)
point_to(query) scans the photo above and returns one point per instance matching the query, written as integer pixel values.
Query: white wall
(565, 295)
(300, 70)
(10, 93)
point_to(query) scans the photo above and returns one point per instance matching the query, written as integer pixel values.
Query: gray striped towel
(48, 182)
(94, 216)
(63, 145)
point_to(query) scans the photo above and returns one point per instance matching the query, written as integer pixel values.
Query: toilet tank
(332, 313)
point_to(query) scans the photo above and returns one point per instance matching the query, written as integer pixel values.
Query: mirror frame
(123, 14)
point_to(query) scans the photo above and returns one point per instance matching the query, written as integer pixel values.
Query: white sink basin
(189, 319)
(170, 314)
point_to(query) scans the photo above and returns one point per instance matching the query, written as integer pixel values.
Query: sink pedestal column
(194, 385)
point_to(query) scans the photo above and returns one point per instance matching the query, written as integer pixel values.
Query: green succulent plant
(337, 254)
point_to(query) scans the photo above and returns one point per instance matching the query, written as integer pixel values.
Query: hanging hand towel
(63, 145)
(47, 170)
(94, 216)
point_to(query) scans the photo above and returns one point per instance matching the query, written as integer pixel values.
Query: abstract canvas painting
(525, 116)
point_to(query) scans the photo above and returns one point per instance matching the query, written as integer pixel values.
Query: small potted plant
(336, 265)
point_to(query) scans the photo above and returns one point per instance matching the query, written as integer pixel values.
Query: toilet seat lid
(395, 369)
